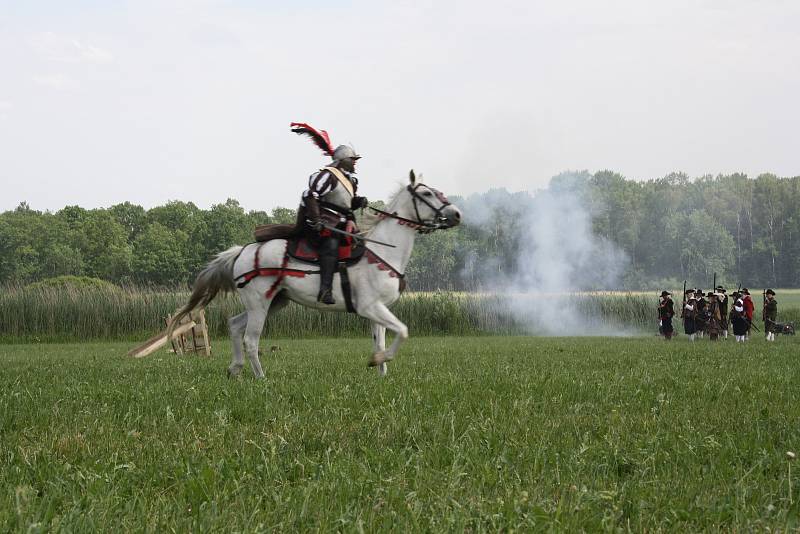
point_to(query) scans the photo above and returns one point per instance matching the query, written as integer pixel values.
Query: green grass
(787, 298)
(486, 433)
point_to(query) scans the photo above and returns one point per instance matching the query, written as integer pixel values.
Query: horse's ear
(412, 177)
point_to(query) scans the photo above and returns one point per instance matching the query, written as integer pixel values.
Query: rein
(423, 227)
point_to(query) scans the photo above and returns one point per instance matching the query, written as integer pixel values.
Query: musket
(356, 236)
(714, 287)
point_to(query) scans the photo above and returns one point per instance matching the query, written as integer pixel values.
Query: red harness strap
(271, 271)
(383, 265)
(281, 272)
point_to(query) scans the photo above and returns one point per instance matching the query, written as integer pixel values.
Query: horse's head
(429, 206)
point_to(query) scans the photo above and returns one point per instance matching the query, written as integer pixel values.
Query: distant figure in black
(666, 310)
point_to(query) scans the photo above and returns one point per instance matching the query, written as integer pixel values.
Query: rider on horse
(328, 203)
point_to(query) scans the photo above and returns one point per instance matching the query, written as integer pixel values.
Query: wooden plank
(194, 331)
(204, 329)
(158, 341)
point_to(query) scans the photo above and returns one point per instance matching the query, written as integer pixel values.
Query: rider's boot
(328, 258)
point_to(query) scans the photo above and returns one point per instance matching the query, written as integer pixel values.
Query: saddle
(268, 232)
(300, 248)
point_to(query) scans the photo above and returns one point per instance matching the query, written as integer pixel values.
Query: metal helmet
(344, 152)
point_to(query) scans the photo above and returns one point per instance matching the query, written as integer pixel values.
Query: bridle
(437, 222)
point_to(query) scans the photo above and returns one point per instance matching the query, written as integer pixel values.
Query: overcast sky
(149, 101)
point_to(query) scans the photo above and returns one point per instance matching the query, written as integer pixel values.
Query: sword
(357, 236)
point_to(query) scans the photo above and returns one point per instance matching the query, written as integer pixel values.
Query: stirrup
(325, 296)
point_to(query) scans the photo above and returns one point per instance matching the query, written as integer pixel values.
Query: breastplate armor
(339, 197)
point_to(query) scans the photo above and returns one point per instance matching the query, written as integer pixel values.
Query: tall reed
(95, 313)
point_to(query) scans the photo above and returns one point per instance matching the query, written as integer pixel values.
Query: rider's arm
(320, 184)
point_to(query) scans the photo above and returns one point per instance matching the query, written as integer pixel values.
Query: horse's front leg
(379, 345)
(380, 314)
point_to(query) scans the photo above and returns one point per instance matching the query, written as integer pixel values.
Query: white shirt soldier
(328, 203)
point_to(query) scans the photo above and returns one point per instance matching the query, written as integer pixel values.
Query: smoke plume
(555, 255)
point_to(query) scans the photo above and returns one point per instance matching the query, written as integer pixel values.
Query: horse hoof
(376, 359)
(234, 374)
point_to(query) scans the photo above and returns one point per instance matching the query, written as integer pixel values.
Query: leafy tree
(102, 243)
(133, 218)
(160, 256)
(709, 248)
(284, 216)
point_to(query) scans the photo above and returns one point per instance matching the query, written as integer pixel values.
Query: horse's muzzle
(452, 216)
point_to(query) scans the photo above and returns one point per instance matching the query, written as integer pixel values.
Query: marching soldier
(770, 314)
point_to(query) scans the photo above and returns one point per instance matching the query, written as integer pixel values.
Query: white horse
(375, 280)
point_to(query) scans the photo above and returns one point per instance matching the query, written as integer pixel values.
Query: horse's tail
(215, 277)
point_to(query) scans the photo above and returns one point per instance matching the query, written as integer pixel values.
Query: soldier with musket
(738, 320)
(770, 314)
(749, 308)
(666, 310)
(722, 300)
(713, 317)
(701, 319)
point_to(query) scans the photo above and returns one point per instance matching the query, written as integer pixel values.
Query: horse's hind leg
(252, 334)
(237, 325)
(379, 345)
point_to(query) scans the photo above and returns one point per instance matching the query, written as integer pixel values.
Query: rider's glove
(359, 202)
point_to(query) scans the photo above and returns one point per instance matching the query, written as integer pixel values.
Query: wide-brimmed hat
(770, 292)
(720, 289)
(665, 293)
(745, 291)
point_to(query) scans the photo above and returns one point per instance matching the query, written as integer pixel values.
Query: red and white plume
(320, 137)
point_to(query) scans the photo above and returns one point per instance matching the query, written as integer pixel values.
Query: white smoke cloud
(556, 255)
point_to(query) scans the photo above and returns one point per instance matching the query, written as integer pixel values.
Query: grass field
(488, 433)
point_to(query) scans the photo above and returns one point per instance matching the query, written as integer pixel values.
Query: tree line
(671, 229)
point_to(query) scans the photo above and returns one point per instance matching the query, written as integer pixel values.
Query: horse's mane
(367, 222)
